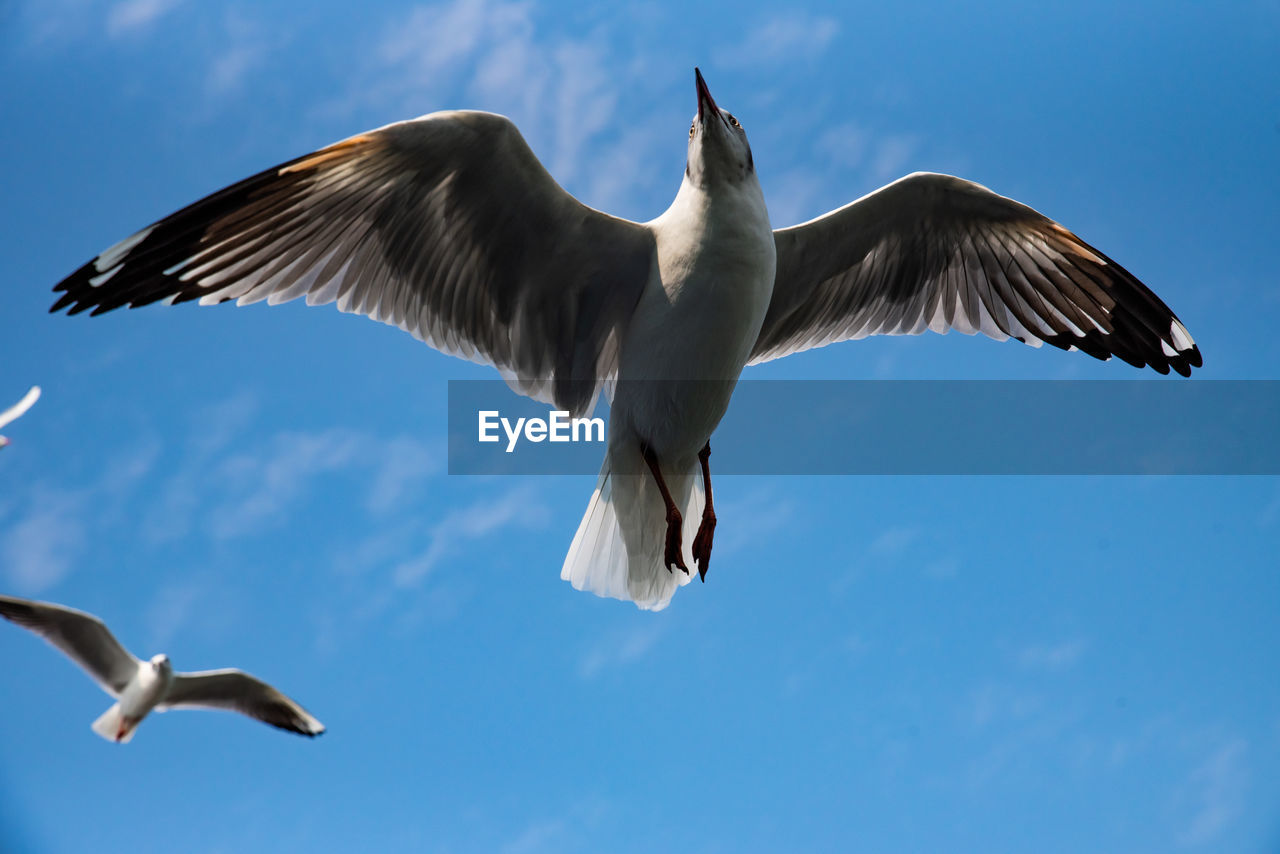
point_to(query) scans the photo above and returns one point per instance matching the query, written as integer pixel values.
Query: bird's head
(161, 662)
(718, 147)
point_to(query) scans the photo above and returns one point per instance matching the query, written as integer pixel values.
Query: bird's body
(448, 227)
(697, 320)
(142, 686)
(147, 689)
(684, 349)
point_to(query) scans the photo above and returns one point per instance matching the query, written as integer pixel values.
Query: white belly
(142, 694)
(692, 334)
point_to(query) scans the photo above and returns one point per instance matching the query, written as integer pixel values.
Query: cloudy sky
(881, 664)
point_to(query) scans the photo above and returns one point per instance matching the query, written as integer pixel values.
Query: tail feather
(618, 549)
(113, 726)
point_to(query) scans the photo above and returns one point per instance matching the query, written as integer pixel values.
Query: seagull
(140, 686)
(449, 227)
(18, 410)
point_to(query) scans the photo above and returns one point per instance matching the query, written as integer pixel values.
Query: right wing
(236, 691)
(446, 226)
(83, 638)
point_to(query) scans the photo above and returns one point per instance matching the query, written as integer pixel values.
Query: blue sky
(875, 664)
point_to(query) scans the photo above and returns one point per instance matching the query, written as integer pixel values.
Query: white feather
(110, 725)
(20, 408)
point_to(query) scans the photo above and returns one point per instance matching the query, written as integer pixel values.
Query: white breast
(698, 318)
(143, 691)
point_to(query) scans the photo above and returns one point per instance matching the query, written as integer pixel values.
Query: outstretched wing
(446, 226)
(237, 691)
(20, 408)
(83, 638)
(936, 252)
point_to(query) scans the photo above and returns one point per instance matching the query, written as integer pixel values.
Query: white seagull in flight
(140, 686)
(448, 227)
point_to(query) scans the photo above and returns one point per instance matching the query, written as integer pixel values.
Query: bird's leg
(674, 520)
(706, 530)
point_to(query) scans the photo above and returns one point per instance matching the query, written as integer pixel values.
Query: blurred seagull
(140, 686)
(19, 409)
(448, 227)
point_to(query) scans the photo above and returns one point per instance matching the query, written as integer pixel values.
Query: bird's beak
(704, 94)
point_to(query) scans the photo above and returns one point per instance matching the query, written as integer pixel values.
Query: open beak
(704, 94)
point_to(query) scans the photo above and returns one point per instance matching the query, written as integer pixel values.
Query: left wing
(236, 691)
(935, 252)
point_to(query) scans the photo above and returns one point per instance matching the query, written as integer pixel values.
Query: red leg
(675, 521)
(706, 530)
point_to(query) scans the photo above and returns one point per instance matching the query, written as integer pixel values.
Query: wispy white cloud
(570, 831)
(174, 507)
(49, 22)
(220, 423)
(41, 547)
(756, 516)
(231, 481)
(1270, 512)
(131, 16)
(791, 36)
(847, 154)
(620, 650)
(892, 153)
(887, 549)
(1056, 656)
(170, 610)
(434, 38)
(893, 542)
(519, 507)
(405, 463)
(264, 482)
(562, 88)
(1213, 795)
(999, 702)
(437, 48)
(845, 144)
(793, 194)
(244, 48)
(126, 470)
(53, 523)
(539, 836)
(947, 566)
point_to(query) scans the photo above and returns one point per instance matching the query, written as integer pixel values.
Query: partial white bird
(448, 227)
(18, 410)
(140, 686)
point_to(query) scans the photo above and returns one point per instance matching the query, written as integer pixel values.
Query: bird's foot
(673, 555)
(702, 544)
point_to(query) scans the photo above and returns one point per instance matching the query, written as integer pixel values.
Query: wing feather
(81, 637)
(236, 691)
(939, 253)
(446, 226)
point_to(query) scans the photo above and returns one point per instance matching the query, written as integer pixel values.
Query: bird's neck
(714, 206)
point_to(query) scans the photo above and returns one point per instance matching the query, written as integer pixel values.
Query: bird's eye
(734, 122)
(693, 126)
